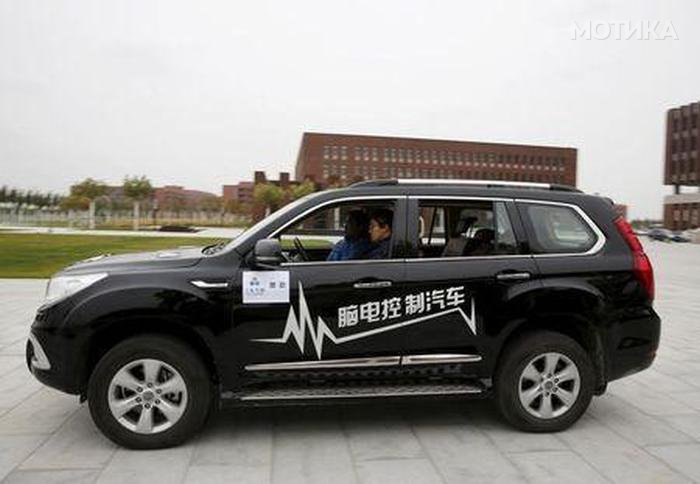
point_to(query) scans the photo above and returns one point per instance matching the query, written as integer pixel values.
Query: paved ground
(645, 429)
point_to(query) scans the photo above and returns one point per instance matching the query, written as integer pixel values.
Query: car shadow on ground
(346, 417)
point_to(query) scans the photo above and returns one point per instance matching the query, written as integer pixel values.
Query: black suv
(537, 295)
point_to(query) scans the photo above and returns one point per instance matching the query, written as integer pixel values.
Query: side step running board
(368, 391)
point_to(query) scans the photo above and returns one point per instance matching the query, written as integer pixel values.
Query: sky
(202, 93)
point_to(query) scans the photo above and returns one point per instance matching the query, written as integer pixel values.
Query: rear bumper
(632, 344)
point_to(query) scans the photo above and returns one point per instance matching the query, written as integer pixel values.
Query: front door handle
(209, 285)
(513, 276)
(372, 285)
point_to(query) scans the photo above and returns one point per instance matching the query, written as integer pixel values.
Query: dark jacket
(380, 250)
(347, 250)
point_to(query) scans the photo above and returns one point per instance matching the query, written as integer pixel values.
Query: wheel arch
(109, 334)
(574, 325)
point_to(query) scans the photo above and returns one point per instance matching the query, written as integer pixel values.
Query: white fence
(121, 219)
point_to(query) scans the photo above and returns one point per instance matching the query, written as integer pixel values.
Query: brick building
(682, 167)
(168, 197)
(244, 192)
(241, 192)
(175, 197)
(341, 159)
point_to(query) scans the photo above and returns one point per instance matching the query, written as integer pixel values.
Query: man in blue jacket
(356, 243)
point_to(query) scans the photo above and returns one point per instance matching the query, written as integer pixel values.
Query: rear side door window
(464, 228)
(557, 229)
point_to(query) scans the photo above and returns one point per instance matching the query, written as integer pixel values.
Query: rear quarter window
(557, 229)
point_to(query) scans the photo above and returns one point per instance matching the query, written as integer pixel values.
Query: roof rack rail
(477, 183)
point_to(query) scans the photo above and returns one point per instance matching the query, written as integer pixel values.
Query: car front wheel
(150, 392)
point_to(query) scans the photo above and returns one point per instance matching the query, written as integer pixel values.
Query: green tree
(91, 190)
(237, 208)
(303, 189)
(269, 196)
(137, 189)
(74, 202)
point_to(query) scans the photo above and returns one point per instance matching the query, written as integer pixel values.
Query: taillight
(642, 265)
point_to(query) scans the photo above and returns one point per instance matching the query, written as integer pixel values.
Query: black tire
(179, 356)
(517, 356)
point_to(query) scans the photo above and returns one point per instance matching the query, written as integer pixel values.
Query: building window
(326, 152)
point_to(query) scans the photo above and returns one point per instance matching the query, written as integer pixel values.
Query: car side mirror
(268, 252)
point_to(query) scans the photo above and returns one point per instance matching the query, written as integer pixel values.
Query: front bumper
(54, 360)
(36, 356)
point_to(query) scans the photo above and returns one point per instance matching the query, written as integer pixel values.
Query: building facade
(682, 167)
(168, 197)
(329, 159)
(175, 198)
(241, 192)
(244, 192)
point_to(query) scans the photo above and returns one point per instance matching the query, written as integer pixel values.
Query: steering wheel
(300, 250)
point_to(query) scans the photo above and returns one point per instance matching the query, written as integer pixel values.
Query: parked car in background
(660, 234)
(679, 236)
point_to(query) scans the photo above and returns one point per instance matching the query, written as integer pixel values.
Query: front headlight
(63, 286)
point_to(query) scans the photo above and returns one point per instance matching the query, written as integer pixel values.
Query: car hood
(139, 261)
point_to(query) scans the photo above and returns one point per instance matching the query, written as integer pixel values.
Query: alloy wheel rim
(147, 396)
(549, 385)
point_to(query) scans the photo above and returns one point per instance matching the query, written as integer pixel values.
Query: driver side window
(358, 230)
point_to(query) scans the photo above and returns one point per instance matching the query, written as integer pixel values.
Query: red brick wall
(682, 154)
(682, 216)
(324, 157)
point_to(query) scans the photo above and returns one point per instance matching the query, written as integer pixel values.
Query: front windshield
(243, 237)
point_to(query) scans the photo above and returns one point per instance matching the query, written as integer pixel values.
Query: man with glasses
(380, 234)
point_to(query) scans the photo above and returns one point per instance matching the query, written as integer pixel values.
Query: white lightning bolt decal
(297, 327)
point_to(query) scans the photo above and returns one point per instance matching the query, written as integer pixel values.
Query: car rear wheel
(150, 392)
(544, 383)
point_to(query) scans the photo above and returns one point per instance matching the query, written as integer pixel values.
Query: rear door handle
(513, 276)
(372, 285)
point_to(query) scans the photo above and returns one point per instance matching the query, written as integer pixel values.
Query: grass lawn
(40, 255)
